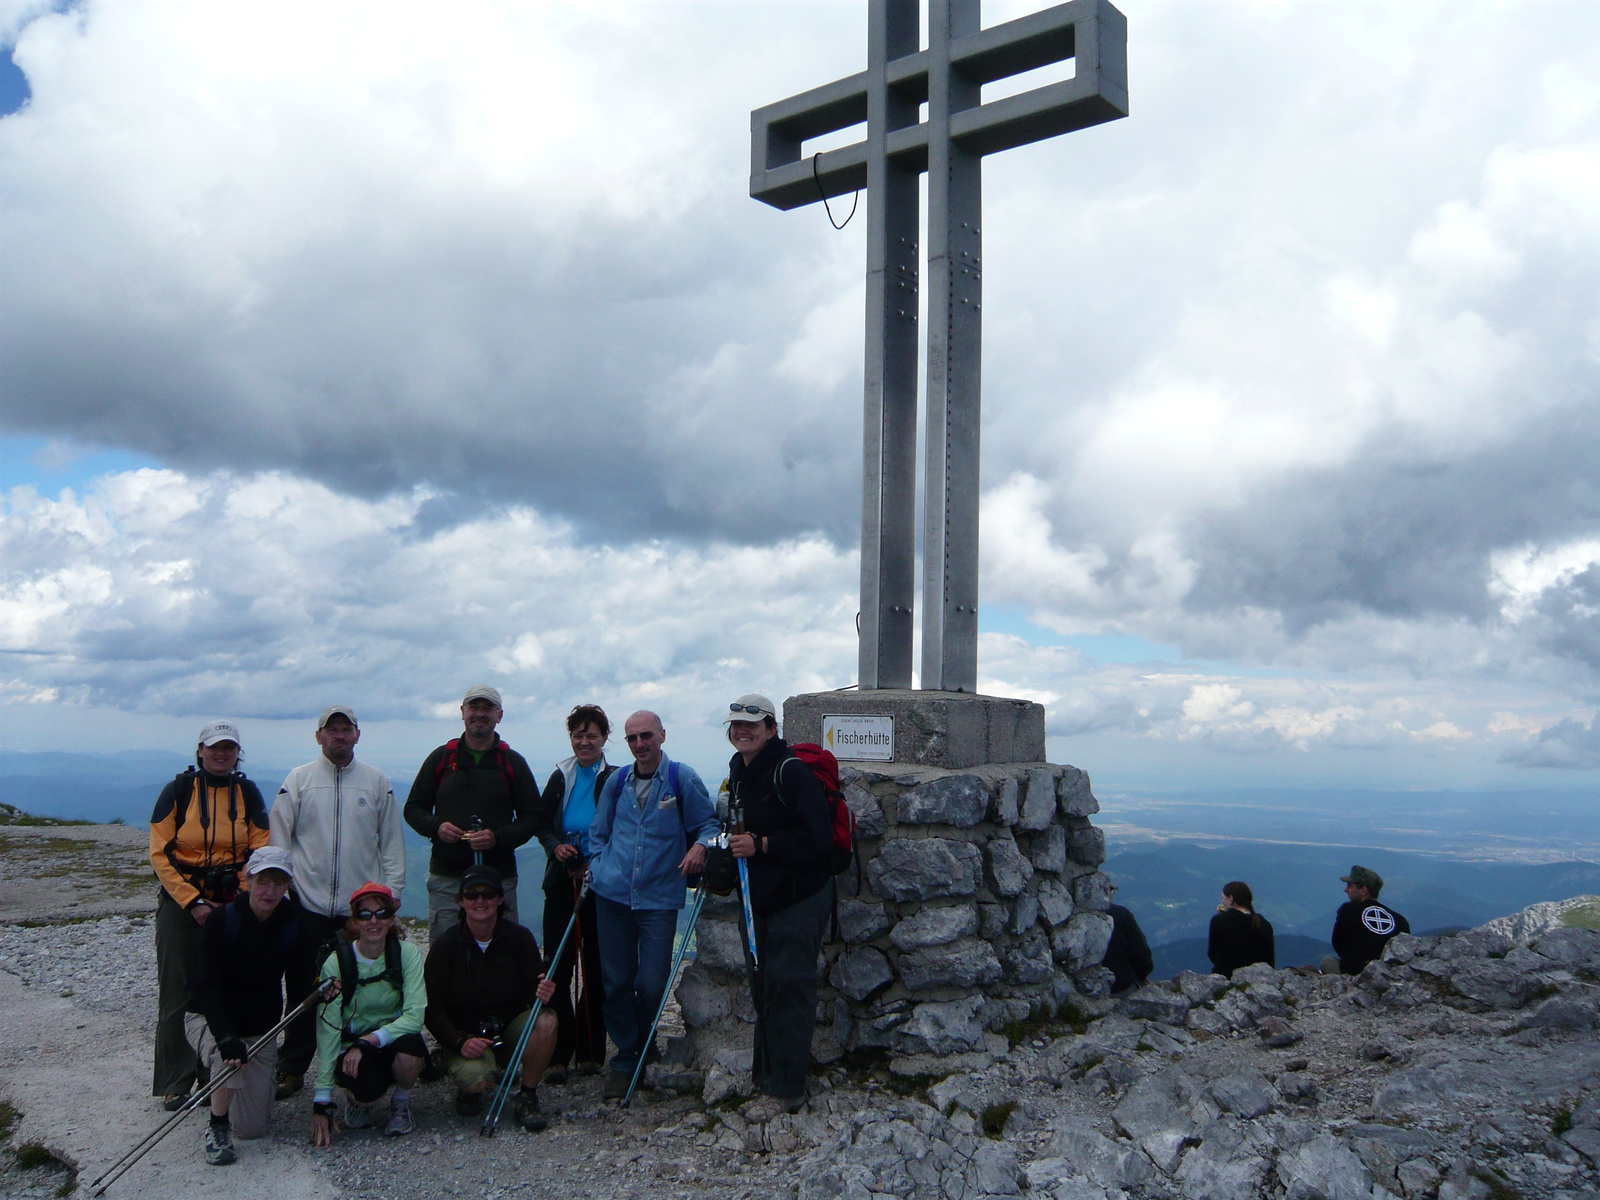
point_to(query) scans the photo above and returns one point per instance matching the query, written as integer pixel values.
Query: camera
(492, 1028)
(219, 883)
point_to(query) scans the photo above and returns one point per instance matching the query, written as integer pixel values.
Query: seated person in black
(1363, 927)
(1128, 955)
(1239, 935)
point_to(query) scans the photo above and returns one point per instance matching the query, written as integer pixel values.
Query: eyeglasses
(480, 894)
(754, 709)
(373, 914)
(646, 736)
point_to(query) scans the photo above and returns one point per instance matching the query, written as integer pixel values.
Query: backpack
(350, 977)
(450, 760)
(841, 821)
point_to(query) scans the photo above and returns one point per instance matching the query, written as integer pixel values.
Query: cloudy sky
(364, 352)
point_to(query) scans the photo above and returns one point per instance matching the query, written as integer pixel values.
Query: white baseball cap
(483, 692)
(221, 731)
(270, 858)
(752, 706)
(337, 710)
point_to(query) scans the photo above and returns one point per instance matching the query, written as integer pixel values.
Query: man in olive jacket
(473, 795)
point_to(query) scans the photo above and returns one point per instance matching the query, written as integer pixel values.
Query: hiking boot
(357, 1116)
(469, 1104)
(555, 1076)
(586, 1068)
(219, 1145)
(616, 1086)
(526, 1112)
(289, 1082)
(173, 1101)
(400, 1122)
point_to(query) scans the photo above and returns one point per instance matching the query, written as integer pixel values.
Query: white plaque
(864, 739)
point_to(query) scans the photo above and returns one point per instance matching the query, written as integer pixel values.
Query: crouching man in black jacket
(786, 842)
(237, 995)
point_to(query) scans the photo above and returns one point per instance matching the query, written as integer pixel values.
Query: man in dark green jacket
(473, 796)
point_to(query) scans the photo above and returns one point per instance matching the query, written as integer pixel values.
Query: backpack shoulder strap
(348, 975)
(393, 971)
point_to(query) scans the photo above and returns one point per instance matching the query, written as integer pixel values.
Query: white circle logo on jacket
(1378, 919)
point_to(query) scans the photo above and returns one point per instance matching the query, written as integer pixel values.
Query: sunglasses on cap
(373, 914)
(481, 894)
(753, 709)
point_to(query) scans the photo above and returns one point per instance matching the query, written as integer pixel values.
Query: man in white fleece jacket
(339, 822)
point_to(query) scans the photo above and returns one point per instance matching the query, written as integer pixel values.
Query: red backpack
(841, 821)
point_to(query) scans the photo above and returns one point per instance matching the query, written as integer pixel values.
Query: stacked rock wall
(976, 900)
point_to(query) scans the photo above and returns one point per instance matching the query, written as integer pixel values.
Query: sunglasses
(373, 914)
(481, 894)
(648, 735)
(753, 709)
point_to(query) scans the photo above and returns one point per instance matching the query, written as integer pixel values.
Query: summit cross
(949, 145)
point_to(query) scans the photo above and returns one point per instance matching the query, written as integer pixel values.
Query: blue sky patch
(50, 464)
(1105, 648)
(14, 89)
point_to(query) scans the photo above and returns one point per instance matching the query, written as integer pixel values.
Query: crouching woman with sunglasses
(369, 1037)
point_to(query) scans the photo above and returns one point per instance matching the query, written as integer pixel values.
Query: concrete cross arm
(1092, 32)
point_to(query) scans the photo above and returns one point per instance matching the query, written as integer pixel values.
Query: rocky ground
(1460, 1067)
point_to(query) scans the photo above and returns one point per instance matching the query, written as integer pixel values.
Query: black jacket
(1239, 939)
(789, 810)
(237, 985)
(509, 807)
(467, 985)
(557, 879)
(1128, 953)
(1361, 931)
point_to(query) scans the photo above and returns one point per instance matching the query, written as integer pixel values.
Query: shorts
(470, 1074)
(376, 1074)
(252, 1085)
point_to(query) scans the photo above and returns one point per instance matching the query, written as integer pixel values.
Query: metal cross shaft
(950, 144)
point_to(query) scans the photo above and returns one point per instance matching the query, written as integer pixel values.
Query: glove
(233, 1049)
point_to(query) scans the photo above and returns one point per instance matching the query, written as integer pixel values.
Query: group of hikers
(304, 900)
(1240, 937)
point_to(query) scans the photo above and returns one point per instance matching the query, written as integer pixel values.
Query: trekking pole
(513, 1068)
(118, 1168)
(744, 894)
(476, 827)
(672, 975)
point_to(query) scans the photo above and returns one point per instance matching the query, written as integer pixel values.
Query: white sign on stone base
(857, 738)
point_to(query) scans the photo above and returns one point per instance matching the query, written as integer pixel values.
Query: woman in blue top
(566, 809)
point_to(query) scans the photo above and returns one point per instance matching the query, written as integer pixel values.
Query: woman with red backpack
(786, 841)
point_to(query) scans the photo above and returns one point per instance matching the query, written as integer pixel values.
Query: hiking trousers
(177, 951)
(784, 992)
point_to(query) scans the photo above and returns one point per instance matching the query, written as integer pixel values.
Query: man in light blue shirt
(652, 824)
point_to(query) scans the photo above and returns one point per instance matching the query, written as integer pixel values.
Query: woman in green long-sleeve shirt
(373, 1039)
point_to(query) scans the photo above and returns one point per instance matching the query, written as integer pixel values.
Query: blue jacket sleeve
(699, 813)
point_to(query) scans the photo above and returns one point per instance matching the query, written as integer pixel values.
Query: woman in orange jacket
(205, 825)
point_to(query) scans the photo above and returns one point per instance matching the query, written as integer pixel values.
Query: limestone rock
(1039, 802)
(1246, 1094)
(1091, 1153)
(936, 926)
(701, 1000)
(861, 971)
(944, 1027)
(868, 812)
(1055, 902)
(1087, 846)
(1092, 891)
(1006, 811)
(1025, 913)
(862, 920)
(1030, 961)
(1009, 870)
(1073, 794)
(1081, 943)
(1049, 851)
(959, 800)
(1324, 1169)
(1225, 1166)
(965, 964)
(719, 944)
(1154, 1003)
(918, 870)
(1157, 1104)
(1200, 989)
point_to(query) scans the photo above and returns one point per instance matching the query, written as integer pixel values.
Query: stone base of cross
(949, 145)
